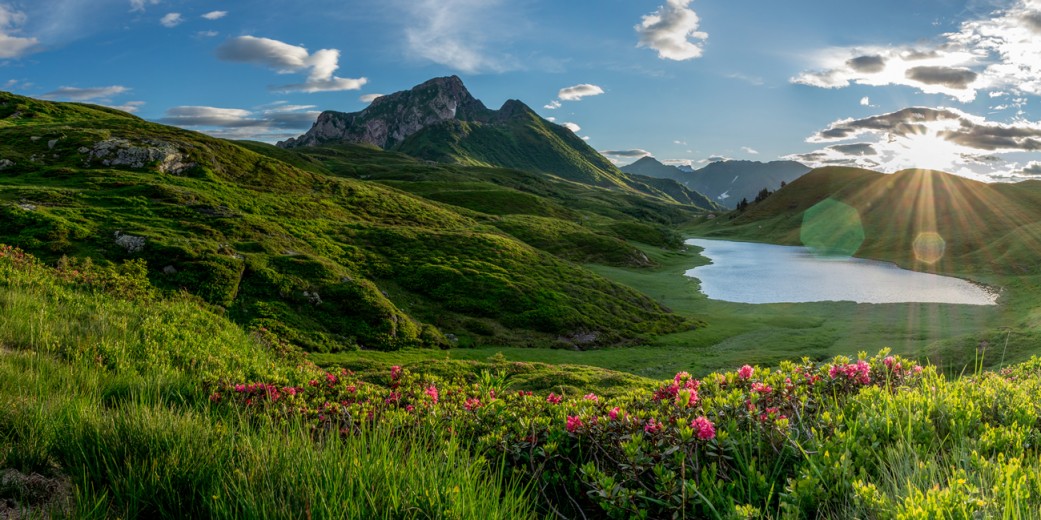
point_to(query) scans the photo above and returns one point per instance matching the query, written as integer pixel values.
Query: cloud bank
(10, 22)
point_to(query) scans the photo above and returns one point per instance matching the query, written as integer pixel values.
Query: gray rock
(169, 270)
(5, 164)
(51, 144)
(121, 152)
(27, 207)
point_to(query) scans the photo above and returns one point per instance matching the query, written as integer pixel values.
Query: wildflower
(703, 428)
(432, 392)
(331, 378)
(592, 397)
(395, 372)
(392, 398)
(681, 376)
(761, 388)
(553, 398)
(215, 397)
(289, 390)
(652, 426)
(472, 403)
(666, 392)
(240, 388)
(409, 408)
(888, 362)
(917, 369)
(687, 398)
(613, 414)
(351, 388)
(745, 372)
(313, 382)
(573, 423)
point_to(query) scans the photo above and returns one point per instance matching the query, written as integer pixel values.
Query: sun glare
(927, 151)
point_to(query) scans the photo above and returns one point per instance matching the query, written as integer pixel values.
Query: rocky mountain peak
(389, 119)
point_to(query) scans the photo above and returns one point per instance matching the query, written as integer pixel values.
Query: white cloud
(207, 34)
(139, 5)
(85, 94)
(997, 51)
(749, 150)
(1033, 168)
(270, 123)
(551, 119)
(672, 30)
(129, 106)
(677, 141)
(571, 126)
(171, 20)
(865, 101)
(577, 92)
(458, 33)
(215, 15)
(288, 59)
(369, 98)
(552, 105)
(585, 137)
(635, 153)
(10, 22)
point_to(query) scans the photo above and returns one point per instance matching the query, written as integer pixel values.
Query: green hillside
(310, 247)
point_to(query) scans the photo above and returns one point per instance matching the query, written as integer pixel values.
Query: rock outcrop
(392, 118)
(121, 152)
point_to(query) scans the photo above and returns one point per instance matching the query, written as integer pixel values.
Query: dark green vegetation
(736, 179)
(332, 248)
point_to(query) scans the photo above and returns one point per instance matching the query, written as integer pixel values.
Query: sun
(927, 151)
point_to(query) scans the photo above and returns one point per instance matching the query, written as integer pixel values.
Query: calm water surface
(747, 272)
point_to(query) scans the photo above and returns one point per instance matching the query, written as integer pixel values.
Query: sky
(886, 85)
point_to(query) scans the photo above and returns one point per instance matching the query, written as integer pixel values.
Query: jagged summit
(389, 119)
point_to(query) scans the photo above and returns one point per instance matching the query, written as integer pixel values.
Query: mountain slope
(440, 121)
(984, 228)
(322, 260)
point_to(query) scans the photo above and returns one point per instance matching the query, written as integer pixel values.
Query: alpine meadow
(269, 263)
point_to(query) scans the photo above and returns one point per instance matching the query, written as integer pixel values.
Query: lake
(748, 272)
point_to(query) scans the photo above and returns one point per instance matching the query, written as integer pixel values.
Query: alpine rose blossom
(574, 422)
(432, 392)
(703, 428)
(613, 414)
(553, 398)
(745, 372)
(592, 397)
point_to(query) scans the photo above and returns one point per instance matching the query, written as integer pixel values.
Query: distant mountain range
(441, 121)
(725, 182)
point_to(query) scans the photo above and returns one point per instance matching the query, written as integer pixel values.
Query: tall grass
(112, 395)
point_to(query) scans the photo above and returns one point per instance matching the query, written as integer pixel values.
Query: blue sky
(951, 85)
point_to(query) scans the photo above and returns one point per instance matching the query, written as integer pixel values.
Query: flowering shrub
(699, 446)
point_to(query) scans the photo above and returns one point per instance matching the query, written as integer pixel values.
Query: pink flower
(573, 423)
(553, 398)
(613, 414)
(432, 392)
(652, 426)
(330, 378)
(240, 388)
(681, 376)
(395, 372)
(745, 372)
(472, 403)
(917, 369)
(215, 397)
(888, 362)
(409, 408)
(761, 388)
(313, 382)
(393, 398)
(592, 397)
(834, 371)
(703, 428)
(687, 398)
(289, 390)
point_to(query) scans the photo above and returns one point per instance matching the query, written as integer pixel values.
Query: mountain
(341, 247)
(725, 182)
(440, 121)
(922, 219)
(730, 181)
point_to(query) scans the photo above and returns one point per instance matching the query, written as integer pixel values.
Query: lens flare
(929, 247)
(832, 228)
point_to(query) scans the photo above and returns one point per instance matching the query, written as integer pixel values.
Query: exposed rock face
(392, 118)
(121, 152)
(6, 163)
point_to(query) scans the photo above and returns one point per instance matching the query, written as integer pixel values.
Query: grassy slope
(327, 261)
